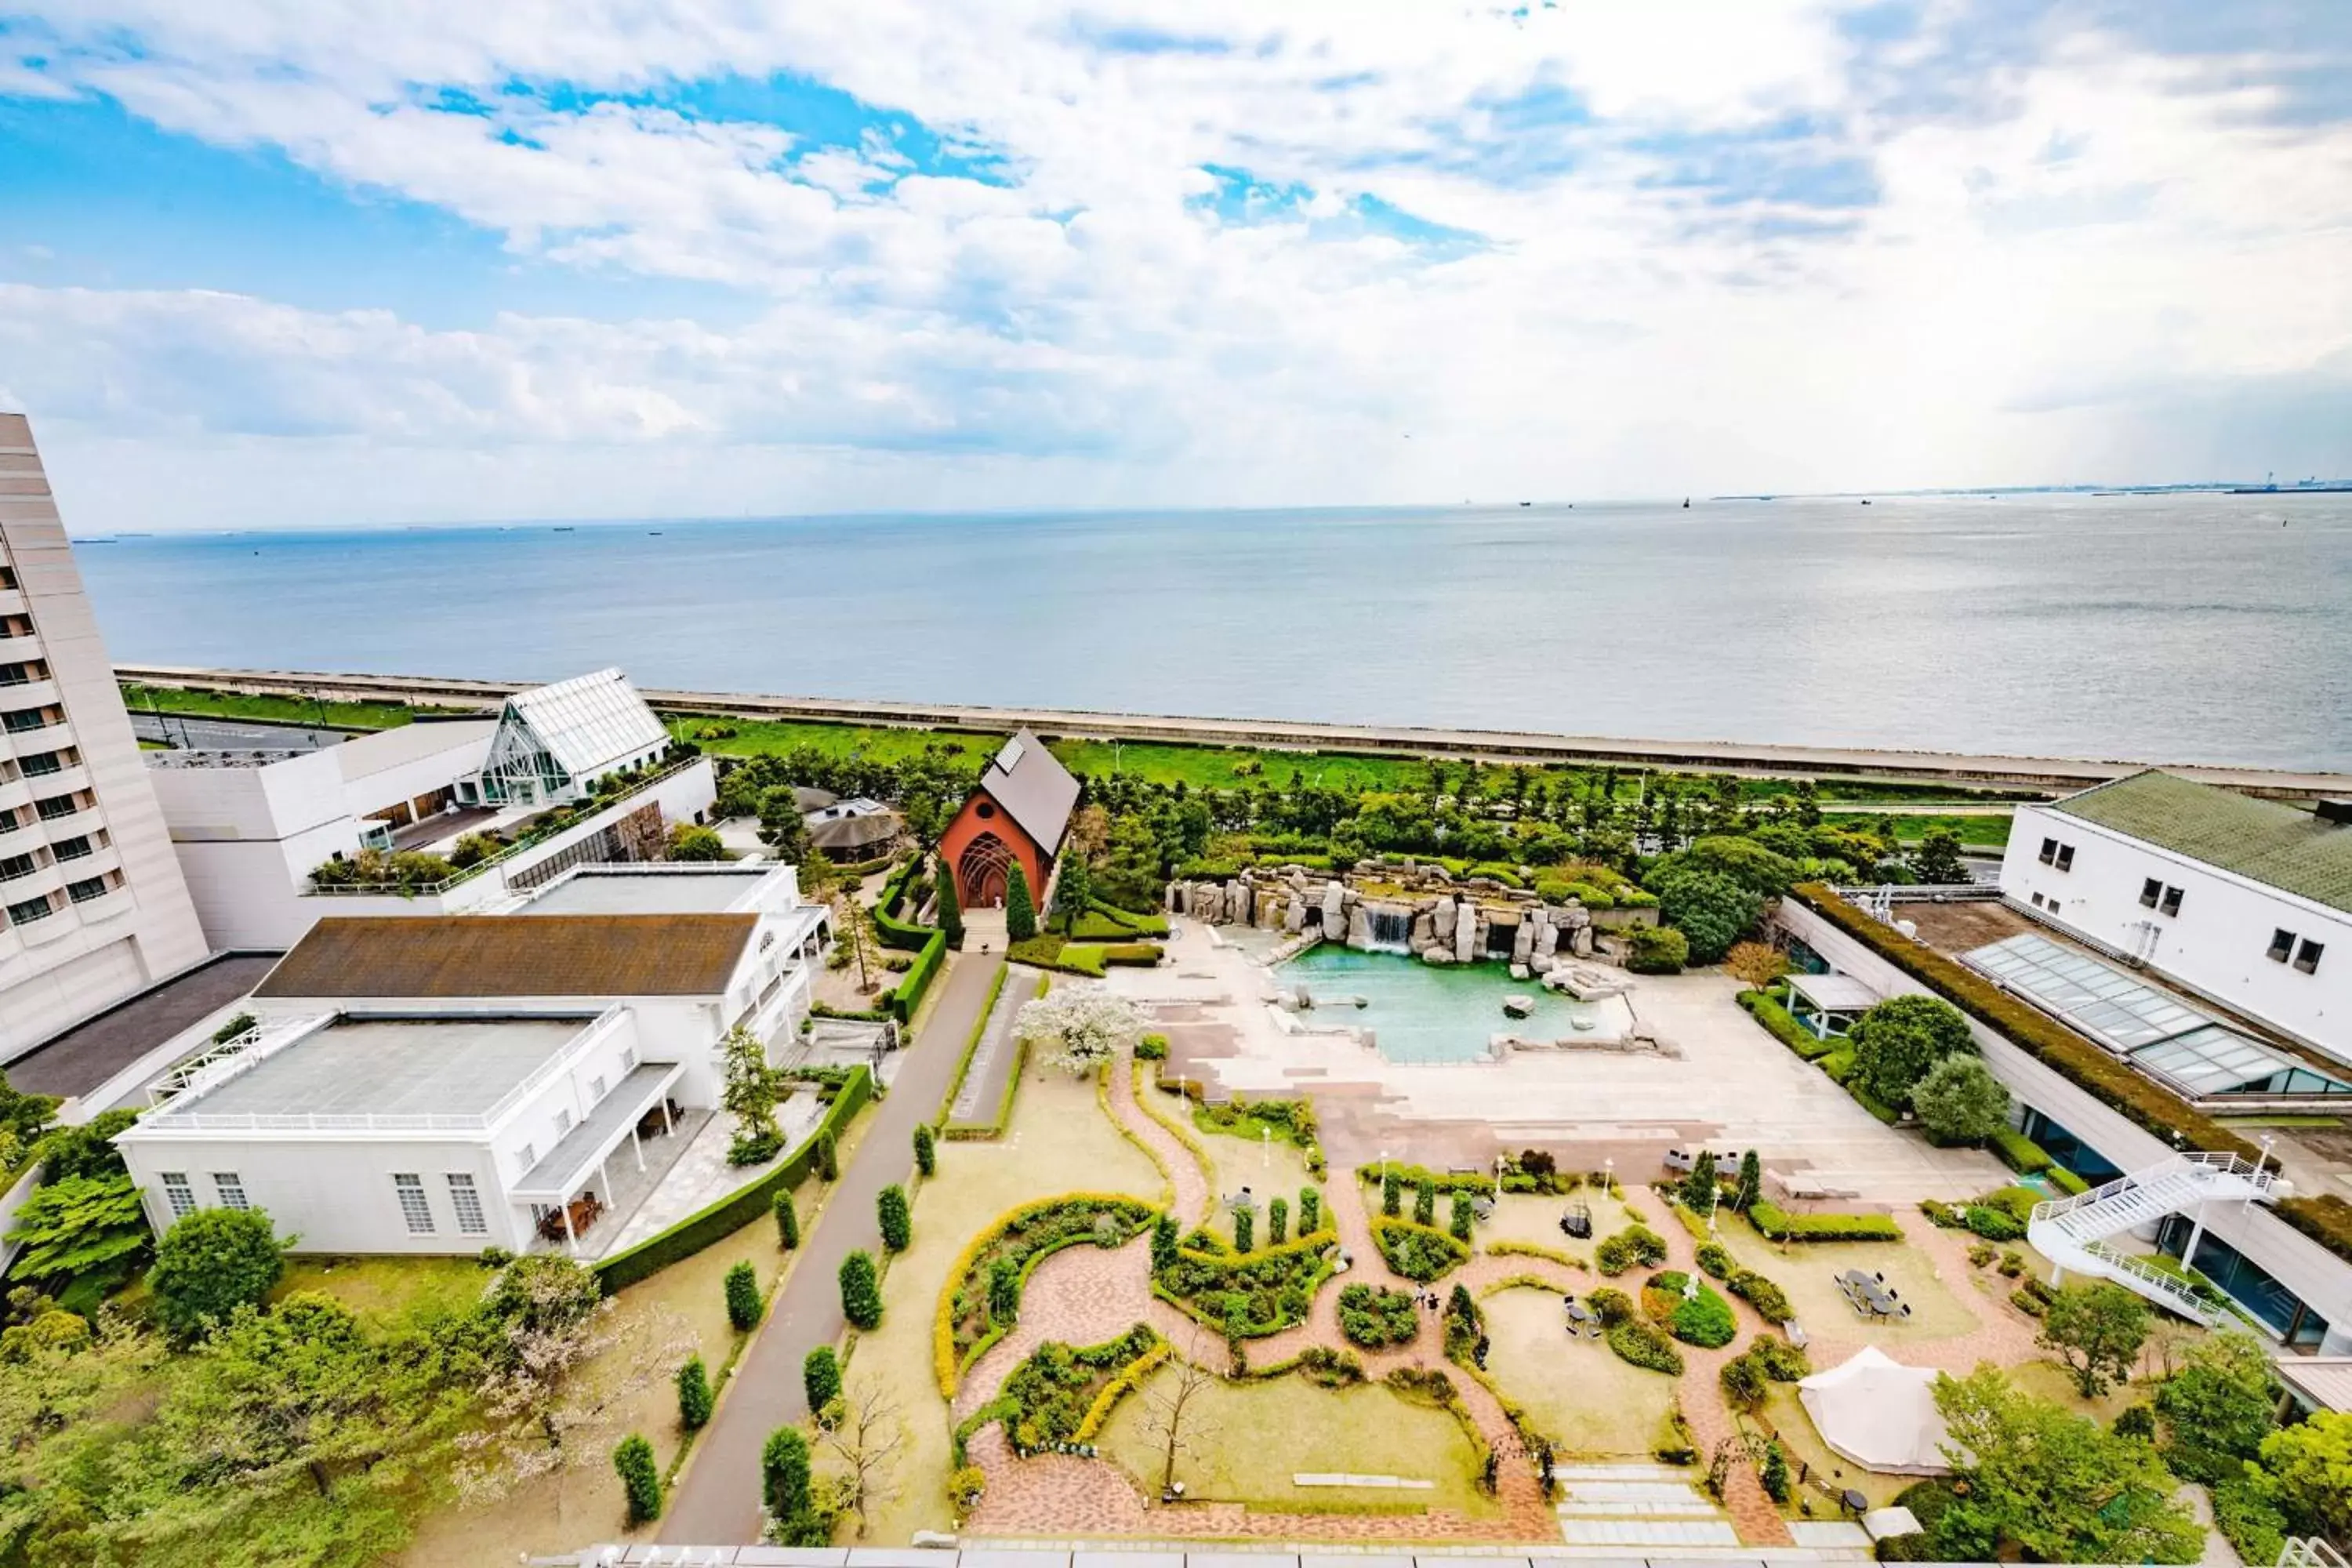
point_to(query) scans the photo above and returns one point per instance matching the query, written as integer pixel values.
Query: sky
(332, 263)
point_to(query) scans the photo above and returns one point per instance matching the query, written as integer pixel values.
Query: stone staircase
(1639, 1505)
(2074, 1233)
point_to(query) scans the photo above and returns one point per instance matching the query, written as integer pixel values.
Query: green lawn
(291, 708)
(1254, 1436)
(1983, 830)
(388, 1286)
(1577, 1392)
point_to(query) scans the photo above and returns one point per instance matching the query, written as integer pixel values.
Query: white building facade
(439, 1085)
(2246, 903)
(92, 906)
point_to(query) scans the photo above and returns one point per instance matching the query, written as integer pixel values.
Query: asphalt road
(230, 734)
(717, 1501)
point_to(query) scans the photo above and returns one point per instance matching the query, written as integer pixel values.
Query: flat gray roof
(602, 892)
(393, 1066)
(84, 1057)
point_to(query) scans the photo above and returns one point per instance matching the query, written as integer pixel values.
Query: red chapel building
(1018, 814)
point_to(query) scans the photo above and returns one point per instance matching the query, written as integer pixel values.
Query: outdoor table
(1874, 1296)
(1855, 1501)
(1579, 1313)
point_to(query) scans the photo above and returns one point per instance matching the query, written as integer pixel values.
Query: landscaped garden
(1588, 1401)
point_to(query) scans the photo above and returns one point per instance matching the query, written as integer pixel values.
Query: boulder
(1518, 1007)
(1294, 913)
(1523, 944)
(1424, 931)
(1359, 929)
(1467, 933)
(1541, 963)
(1436, 954)
(1171, 897)
(1442, 919)
(1521, 972)
(1581, 941)
(1547, 937)
(1335, 903)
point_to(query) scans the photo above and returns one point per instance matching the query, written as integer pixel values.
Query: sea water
(1427, 1014)
(2198, 627)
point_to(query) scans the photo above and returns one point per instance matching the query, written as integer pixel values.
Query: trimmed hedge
(1783, 1025)
(948, 1358)
(1375, 1316)
(2325, 1218)
(1101, 922)
(738, 1208)
(1777, 1224)
(902, 1001)
(2019, 1152)
(905, 935)
(1257, 1293)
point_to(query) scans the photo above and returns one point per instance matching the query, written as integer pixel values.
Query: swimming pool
(1421, 1013)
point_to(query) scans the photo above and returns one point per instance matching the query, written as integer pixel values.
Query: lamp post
(1498, 1178)
(1265, 1142)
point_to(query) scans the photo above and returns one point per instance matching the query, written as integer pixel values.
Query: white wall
(433, 771)
(2323, 1280)
(335, 1193)
(534, 1123)
(2216, 945)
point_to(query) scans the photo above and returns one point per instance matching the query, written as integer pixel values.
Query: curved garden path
(1085, 1295)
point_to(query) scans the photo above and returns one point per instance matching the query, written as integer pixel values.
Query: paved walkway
(718, 1497)
(992, 1063)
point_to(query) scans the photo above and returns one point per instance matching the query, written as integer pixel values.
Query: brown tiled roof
(514, 955)
(1033, 787)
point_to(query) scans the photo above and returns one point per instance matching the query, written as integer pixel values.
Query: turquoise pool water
(1422, 1014)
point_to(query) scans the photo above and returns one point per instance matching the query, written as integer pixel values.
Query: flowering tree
(1088, 1026)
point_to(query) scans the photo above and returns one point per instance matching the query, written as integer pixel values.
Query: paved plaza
(1722, 1081)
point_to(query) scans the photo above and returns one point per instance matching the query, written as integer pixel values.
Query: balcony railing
(597, 805)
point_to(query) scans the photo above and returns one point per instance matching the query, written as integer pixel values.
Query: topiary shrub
(1460, 1222)
(784, 1487)
(640, 1479)
(1611, 1307)
(1244, 1229)
(743, 1303)
(828, 1156)
(1637, 1244)
(1715, 1261)
(1310, 1211)
(926, 1154)
(1376, 1318)
(891, 1212)
(820, 1380)
(788, 1220)
(861, 1291)
(1277, 1221)
(1151, 1048)
(1424, 1202)
(1771, 1303)
(694, 1399)
(1418, 1252)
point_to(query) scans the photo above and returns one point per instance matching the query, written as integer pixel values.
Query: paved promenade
(718, 1497)
(1493, 745)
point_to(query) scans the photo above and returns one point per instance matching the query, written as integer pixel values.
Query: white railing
(2310, 1552)
(2204, 1163)
(2176, 1293)
(536, 1079)
(232, 1057)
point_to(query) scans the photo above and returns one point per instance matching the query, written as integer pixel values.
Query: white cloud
(1648, 312)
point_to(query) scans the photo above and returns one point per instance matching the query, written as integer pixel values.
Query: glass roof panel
(2113, 1008)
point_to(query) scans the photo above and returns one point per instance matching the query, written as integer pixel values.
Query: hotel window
(56, 807)
(596, 1088)
(40, 764)
(2037, 900)
(89, 887)
(78, 848)
(28, 912)
(562, 1122)
(179, 1194)
(2049, 850)
(410, 1190)
(2281, 946)
(629, 1058)
(2065, 861)
(467, 1200)
(25, 719)
(230, 1187)
(2171, 904)
(525, 1157)
(2308, 959)
(15, 865)
(2150, 891)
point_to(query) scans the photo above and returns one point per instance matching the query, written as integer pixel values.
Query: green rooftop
(2262, 840)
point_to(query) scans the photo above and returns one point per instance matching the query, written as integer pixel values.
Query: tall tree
(1939, 859)
(1071, 891)
(2217, 1407)
(865, 1435)
(1019, 908)
(1960, 1102)
(748, 1091)
(2056, 1485)
(2096, 1328)
(1896, 1041)
(1170, 1418)
(950, 913)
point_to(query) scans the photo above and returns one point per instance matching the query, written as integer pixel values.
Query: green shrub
(640, 1479)
(1710, 909)
(2019, 1152)
(1993, 1224)
(1376, 1318)
(894, 1218)
(1658, 950)
(1459, 1223)
(1277, 1221)
(788, 1219)
(743, 1301)
(1636, 1341)
(2246, 1509)
(1611, 1307)
(1310, 1211)
(1417, 1251)
(861, 1291)
(1424, 1203)
(1636, 1244)
(1703, 1319)
(1771, 1303)
(1050, 1394)
(820, 1379)
(1151, 1048)
(694, 1399)
(1714, 1260)
(86, 1151)
(784, 1474)
(1776, 1225)
(211, 1263)
(1245, 1295)
(1244, 1229)
(927, 1150)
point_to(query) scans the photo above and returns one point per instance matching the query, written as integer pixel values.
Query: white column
(636, 1148)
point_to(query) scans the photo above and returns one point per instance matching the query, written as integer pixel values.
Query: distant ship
(1526, 503)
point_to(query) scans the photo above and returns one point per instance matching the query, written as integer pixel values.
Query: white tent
(1878, 1413)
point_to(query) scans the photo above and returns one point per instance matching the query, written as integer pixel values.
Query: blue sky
(340, 263)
